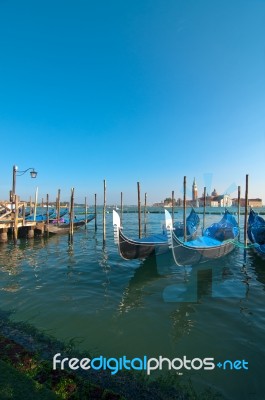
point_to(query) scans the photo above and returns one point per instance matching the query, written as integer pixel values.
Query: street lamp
(16, 173)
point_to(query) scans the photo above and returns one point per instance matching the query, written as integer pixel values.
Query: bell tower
(194, 191)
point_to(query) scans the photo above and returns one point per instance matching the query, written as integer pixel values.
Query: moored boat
(256, 232)
(217, 240)
(63, 227)
(130, 249)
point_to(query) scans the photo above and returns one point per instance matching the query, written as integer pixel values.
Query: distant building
(161, 204)
(255, 202)
(168, 202)
(213, 200)
(251, 202)
(179, 202)
(223, 200)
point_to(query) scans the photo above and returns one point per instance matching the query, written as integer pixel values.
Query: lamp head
(33, 173)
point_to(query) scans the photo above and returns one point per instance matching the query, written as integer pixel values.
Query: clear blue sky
(132, 90)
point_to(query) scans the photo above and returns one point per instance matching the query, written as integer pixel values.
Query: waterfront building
(257, 202)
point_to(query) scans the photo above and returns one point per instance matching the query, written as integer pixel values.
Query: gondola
(256, 232)
(64, 227)
(217, 240)
(130, 249)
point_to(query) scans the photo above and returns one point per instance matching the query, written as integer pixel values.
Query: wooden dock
(11, 224)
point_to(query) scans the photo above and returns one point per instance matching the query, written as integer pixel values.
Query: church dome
(214, 193)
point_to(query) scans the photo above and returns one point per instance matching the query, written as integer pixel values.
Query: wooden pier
(11, 224)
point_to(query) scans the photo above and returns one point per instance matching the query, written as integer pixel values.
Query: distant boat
(130, 249)
(217, 240)
(256, 232)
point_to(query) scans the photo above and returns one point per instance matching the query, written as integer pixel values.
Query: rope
(236, 244)
(248, 246)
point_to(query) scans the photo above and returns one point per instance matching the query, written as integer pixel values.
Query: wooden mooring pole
(184, 208)
(58, 206)
(15, 229)
(121, 207)
(204, 208)
(95, 212)
(35, 203)
(246, 213)
(104, 211)
(238, 208)
(172, 205)
(139, 210)
(145, 219)
(24, 214)
(85, 213)
(3, 235)
(47, 213)
(71, 225)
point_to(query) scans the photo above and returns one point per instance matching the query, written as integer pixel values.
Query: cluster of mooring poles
(204, 208)
(185, 209)
(15, 223)
(14, 220)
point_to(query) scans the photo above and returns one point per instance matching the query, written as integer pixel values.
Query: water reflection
(104, 264)
(12, 262)
(183, 289)
(11, 259)
(133, 294)
(182, 320)
(259, 267)
(184, 284)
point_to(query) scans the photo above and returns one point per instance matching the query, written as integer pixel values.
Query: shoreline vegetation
(26, 373)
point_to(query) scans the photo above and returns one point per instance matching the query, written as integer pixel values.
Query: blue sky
(133, 90)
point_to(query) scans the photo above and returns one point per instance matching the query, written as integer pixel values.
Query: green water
(115, 307)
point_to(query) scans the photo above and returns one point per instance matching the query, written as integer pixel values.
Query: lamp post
(16, 173)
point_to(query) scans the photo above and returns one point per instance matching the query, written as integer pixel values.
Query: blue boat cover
(203, 241)
(192, 223)
(256, 228)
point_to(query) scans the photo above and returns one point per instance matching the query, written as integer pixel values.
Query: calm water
(116, 307)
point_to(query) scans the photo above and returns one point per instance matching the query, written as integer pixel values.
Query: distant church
(195, 200)
(213, 200)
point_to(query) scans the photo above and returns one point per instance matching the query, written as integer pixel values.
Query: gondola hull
(187, 255)
(63, 228)
(130, 249)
